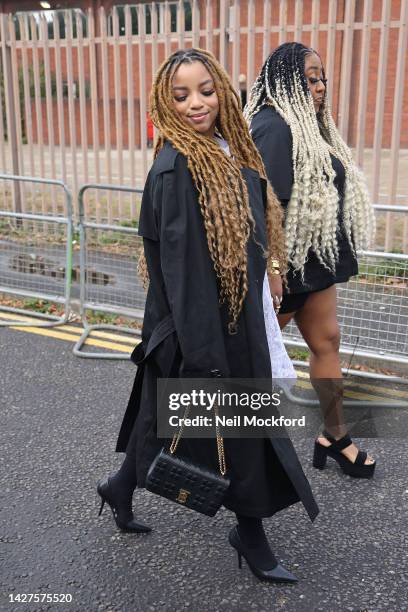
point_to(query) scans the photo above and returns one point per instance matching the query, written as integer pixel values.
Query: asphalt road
(59, 420)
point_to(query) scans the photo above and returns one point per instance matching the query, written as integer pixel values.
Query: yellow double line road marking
(124, 344)
(71, 333)
(353, 394)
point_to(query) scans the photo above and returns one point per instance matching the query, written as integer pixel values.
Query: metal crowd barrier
(373, 314)
(108, 282)
(372, 310)
(30, 270)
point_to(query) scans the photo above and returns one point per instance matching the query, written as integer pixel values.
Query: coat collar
(166, 159)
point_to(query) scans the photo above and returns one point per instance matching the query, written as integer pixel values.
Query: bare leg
(317, 322)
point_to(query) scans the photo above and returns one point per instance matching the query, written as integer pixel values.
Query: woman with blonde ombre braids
(210, 226)
(328, 217)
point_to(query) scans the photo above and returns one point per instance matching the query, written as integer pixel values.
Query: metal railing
(27, 266)
(108, 281)
(74, 97)
(372, 309)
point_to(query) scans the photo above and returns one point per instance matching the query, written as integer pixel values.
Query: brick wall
(322, 48)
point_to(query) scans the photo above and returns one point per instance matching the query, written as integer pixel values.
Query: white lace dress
(281, 365)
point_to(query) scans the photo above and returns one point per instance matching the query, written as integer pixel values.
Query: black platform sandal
(358, 469)
(123, 518)
(275, 574)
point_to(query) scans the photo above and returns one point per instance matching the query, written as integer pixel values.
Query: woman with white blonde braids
(328, 217)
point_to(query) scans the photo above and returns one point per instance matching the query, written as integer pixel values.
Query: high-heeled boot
(253, 545)
(123, 516)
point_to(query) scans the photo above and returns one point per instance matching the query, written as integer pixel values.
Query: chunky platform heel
(319, 456)
(358, 469)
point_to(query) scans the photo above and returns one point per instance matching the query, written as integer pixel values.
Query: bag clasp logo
(182, 496)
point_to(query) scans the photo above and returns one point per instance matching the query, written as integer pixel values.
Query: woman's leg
(253, 536)
(317, 322)
(123, 483)
(250, 542)
(117, 491)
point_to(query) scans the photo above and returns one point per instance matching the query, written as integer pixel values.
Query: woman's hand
(275, 285)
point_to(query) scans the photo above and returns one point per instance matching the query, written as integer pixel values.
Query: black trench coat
(185, 334)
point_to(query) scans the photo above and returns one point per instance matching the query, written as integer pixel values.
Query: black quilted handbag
(190, 485)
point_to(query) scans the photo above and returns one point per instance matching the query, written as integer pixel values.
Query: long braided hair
(312, 213)
(222, 191)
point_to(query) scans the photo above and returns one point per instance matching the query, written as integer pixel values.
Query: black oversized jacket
(185, 334)
(273, 139)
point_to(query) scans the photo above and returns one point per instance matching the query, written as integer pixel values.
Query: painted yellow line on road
(384, 390)
(127, 339)
(118, 342)
(16, 317)
(391, 392)
(347, 393)
(60, 335)
(301, 374)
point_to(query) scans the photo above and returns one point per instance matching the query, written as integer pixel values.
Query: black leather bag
(190, 485)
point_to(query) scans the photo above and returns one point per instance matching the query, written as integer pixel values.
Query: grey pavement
(59, 419)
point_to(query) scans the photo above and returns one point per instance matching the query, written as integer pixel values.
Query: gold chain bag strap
(186, 483)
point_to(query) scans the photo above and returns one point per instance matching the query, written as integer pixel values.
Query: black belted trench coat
(185, 334)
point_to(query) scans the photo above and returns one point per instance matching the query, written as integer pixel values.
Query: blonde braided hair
(312, 212)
